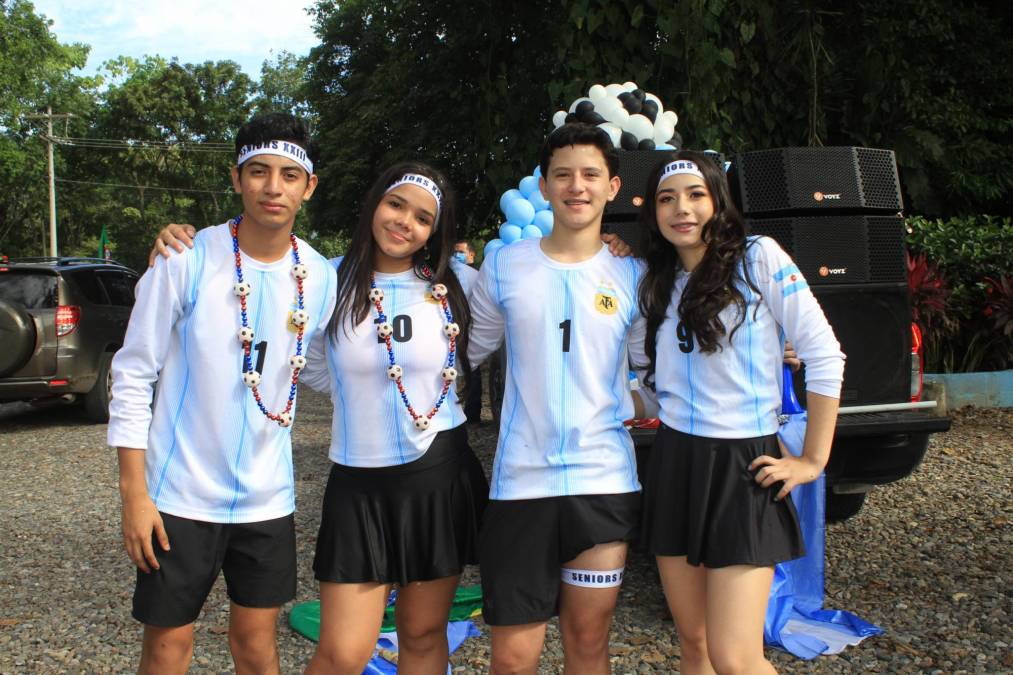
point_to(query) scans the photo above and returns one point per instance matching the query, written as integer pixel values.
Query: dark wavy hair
(277, 126)
(357, 265)
(713, 285)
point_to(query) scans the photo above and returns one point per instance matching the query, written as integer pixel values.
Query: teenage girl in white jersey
(717, 511)
(406, 492)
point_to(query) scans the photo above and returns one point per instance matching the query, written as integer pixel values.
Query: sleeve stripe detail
(794, 288)
(786, 271)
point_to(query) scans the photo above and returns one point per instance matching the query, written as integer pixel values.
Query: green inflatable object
(305, 617)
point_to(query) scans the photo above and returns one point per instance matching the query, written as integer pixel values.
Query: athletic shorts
(258, 560)
(525, 543)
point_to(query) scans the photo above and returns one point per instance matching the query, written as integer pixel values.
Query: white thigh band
(592, 578)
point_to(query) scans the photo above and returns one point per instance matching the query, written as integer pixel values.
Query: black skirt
(398, 524)
(702, 501)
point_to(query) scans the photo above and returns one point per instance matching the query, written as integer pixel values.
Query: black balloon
(570, 118)
(650, 110)
(640, 94)
(593, 118)
(628, 141)
(583, 108)
(632, 104)
(646, 144)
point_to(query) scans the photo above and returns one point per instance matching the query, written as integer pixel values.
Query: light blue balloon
(491, 246)
(531, 232)
(520, 212)
(537, 173)
(538, 201)
(664, 146)
(528, 186)
(509, 233)
(543, 219)
(509, 196)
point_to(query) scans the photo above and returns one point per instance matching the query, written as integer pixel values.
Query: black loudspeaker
(634, 167)
(840, 249)
(813, 180)
(629, 231)
(867, 320)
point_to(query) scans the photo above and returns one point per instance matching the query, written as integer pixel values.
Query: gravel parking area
(927, 559)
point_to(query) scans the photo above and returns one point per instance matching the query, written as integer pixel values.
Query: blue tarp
(796, 620)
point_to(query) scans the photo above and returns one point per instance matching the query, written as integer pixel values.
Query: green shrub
(969, 261)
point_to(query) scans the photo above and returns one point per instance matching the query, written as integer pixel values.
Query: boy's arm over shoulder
(159, 302)
(488, 322)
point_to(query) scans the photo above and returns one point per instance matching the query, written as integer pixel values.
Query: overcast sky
(246, 31)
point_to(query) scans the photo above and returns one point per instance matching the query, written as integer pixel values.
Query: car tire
(841, 506)
(17, 334)
(96, 401)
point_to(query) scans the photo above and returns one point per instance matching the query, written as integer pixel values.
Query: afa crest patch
(606, 301)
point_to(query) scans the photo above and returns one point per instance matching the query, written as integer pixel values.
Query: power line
(133, 144)
(144, 187)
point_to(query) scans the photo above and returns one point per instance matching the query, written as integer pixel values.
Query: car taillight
(917, 366)
(67, 317)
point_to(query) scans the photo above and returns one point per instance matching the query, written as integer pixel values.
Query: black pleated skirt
(398, 524)
(701, 501)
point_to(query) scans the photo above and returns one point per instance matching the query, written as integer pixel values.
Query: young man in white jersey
(206, 471)
(564, 498)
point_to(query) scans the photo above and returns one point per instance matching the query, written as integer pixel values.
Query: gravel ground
(926, 559)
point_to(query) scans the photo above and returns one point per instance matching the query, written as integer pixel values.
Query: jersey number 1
(565, 327)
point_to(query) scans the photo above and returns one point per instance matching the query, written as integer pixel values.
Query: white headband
(426, 184)
(677, 167)
(280, 148)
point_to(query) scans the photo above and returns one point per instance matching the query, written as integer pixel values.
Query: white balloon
(623, 119)
(614, 132)
(641, 127)
(573, 106)
(559, 119)
(652, 97)
(672, 117)
(629, 86)
(662, 131)
(597, 94)
(614, 89)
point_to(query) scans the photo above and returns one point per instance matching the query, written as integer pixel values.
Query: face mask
(461, 256)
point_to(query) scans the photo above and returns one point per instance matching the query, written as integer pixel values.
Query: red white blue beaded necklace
(394, 372)
(300, 317)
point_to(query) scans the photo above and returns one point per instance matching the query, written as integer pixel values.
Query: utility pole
(52, 174)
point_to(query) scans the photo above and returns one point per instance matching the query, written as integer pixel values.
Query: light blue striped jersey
(567, 328)
(736, 392)
(371, 426)
(210, 454)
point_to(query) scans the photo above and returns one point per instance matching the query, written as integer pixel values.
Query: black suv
(61, 321)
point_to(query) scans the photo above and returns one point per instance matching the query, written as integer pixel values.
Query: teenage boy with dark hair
(223, 329)
(565, 498)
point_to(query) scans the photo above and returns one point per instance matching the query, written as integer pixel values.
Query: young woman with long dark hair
(717, 511)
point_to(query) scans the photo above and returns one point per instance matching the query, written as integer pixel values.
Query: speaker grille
(880, 184)
(629, 231)
(764, 183)
(886, 249)
(800, 181)
(840, 249)
(634, 168)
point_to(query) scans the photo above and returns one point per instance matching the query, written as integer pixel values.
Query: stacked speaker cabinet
(836, 211)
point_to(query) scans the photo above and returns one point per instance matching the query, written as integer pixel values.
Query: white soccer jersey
(371, 426)
(736, 392)
(211, 454)
(567, 329)
(466, 274)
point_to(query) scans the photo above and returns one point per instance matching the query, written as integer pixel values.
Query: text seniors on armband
(592, 578)
(280, 148)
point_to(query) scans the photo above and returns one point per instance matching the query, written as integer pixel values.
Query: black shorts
(702, 501)
(525, 543)
(410, 522)
(258, 560)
